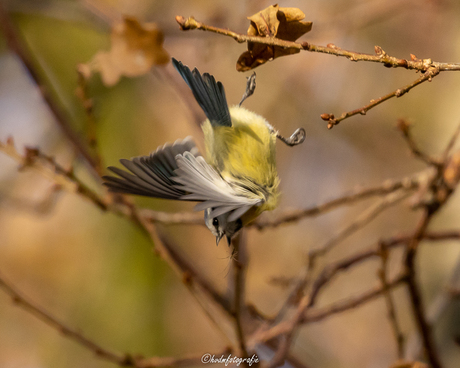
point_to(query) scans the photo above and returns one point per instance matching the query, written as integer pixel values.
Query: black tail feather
(209, 94)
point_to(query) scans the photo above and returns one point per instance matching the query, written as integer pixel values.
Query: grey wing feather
(178, 172)
(204, 184)
(152, 175)
(209, 94)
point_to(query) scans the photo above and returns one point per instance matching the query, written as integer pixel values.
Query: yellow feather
(244, 154)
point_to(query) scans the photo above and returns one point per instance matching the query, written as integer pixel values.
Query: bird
(236, 182)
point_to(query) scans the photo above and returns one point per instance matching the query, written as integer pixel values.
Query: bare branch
(415, 293)
(435, 311)
(350, 303)
(125, 360)
(87, 103)
(48, 167)
(289, 216)
(239, 264)
(441, 187)
(316, 315)
(332, 269)
(380, 56)
(22, 302)
(361, 221)
(404, 126)
(428, 75)
(451, 144)
(396, 328)
(429, 68)
(16, 44)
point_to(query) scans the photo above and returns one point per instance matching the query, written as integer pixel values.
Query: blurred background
(97, 272)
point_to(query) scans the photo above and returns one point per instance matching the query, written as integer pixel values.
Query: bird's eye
(215, 222)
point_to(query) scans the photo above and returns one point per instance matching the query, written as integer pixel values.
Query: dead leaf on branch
(282, 23)
(135, 48)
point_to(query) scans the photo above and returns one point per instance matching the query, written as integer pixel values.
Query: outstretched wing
(209, 94)
(152, 175)
(204, 184)
(178, 172)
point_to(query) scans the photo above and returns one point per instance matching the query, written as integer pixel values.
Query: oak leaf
(135, 48)
(282, 23)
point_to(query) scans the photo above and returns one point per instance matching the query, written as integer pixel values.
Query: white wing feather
(204, 184)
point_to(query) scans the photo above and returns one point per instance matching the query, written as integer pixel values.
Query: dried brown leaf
(135, 48)
(282, 23)
(265, 23)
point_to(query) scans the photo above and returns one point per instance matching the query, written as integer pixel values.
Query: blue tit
(238, 179)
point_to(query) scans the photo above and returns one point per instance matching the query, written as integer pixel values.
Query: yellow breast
(244, 154)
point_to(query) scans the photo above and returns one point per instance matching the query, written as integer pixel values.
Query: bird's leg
(296, 138)
(250, 87)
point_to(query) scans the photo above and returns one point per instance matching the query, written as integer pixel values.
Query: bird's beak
(229, 240)
(218, 237)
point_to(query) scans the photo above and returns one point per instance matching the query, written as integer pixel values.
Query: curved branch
(24, 303)
(428, 75)
(380, 56)
(16, 44)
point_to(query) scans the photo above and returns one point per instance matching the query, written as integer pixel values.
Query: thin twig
(48, 167)
(435, 311)
(428, 75)
(67, 180)
(429, 68)
(380, 56)
(190, 274)
(125, 360)
(415, 293)
(442, 186)
(451, 144)
(22, 302)
(361, 221)
(91, 128)
(404, 126)
(303, 303)
(316, 315)
(194, 280)
(350, 303)
(331, 270)
(239, 263)
(308, 315)
(397, 332)
(16, 44)
(290, 216)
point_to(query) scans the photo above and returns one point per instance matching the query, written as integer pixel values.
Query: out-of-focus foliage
(135, 48)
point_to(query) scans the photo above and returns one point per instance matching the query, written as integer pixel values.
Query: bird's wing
(203, 184)
(152, 175)
(178, 172)
(209, 94)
